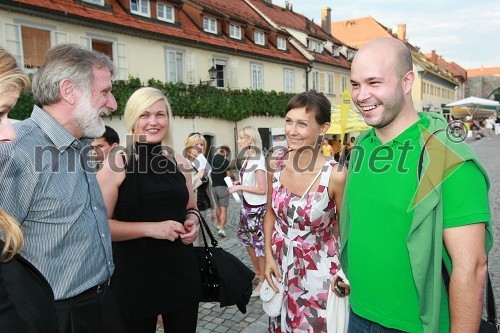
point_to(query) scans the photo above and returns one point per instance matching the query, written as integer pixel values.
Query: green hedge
(201, 100)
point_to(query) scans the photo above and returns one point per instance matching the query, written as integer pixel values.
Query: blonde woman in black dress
(147, 193)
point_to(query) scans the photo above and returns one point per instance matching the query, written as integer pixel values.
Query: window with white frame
(315, 80)
(257, 76)
(281, 43)
(315, 46)
(140, 7)
(259, 38)
(289, 80)
(221, 78)
(95, 2)
(210, 25)
(344, 83)
(175, 66)
(116, 52)
(234, 31)
(165, 12)
(36, 42)
(28, 44)
(330, 84)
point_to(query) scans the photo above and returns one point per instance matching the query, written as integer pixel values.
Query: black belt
(95, 290)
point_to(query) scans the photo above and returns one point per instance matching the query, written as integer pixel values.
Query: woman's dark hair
(312, 101)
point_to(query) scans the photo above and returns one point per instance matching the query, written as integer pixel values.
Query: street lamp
(212, 73)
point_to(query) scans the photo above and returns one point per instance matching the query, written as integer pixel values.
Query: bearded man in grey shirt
(49, 185)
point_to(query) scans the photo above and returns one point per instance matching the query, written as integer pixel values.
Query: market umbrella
(473, 106)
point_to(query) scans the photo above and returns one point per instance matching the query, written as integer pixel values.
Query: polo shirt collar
(411, 133)
(59, 136)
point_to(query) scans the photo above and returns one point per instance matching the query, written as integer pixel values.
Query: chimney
(270, 2)
(326, 19)
(402, 32)
(287, 5)
(434, 56)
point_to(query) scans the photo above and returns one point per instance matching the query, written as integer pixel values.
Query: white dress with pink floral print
(306, 224)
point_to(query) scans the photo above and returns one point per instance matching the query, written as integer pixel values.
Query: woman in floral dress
(305, 196)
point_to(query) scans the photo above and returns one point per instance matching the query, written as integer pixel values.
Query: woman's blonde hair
(12, 236)
(11, 76)
(250, 132)
(191, 141)
(140, 101)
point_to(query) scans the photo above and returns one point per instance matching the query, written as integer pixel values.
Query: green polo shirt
(380, 189)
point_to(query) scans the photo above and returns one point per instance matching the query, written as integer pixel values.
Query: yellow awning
(355, 122)
(462, 112)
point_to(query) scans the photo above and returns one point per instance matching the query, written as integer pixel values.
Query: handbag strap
(204, 228)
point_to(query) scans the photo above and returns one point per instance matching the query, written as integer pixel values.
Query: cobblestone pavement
(212, 318)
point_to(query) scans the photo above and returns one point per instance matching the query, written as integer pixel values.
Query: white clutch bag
(271, 300)
(337, 310)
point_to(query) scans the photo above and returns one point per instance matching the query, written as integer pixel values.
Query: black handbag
(490, 325)
(224, 278)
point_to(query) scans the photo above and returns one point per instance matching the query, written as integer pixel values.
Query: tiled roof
(489, 71)
(452, 67)
(290, 19)
(359, 31)
(119, 20)
(235, 9)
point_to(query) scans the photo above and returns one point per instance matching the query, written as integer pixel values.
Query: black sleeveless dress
(153, 276)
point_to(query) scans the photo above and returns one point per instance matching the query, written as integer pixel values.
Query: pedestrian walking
(220, 170)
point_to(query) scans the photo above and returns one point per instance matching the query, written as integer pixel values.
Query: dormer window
(234, 31)
(259, 38)
(165, 12)
(210, 25)
(315, 46)
(336, 52)
(281, 43)
(350, 54)
(95, 2)
(140, 7)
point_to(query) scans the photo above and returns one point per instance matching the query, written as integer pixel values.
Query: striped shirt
(48, 185)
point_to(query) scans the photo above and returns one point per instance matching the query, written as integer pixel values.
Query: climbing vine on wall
(201, 100)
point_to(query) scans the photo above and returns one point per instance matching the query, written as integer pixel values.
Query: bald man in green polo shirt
(408, 206)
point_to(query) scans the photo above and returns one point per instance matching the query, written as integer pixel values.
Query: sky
(464, 31)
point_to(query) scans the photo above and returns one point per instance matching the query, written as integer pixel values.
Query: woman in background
(26, 298)
(195, 147)
(253, 187)
(156, 272)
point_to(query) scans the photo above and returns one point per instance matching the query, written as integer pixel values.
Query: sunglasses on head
(194, 133)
